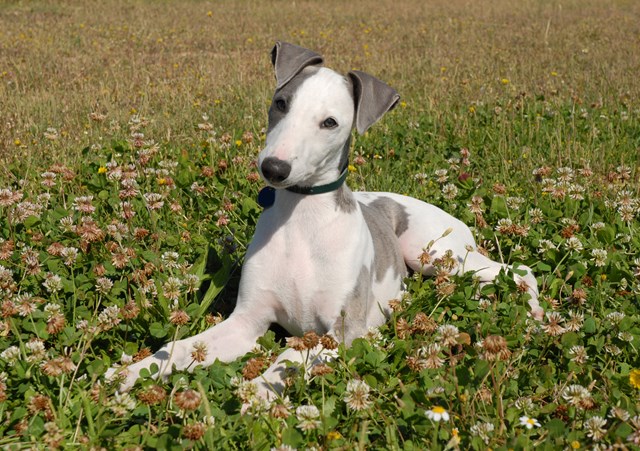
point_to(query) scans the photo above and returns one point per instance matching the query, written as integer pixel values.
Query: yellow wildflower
(334, 435)
(634, 378)
(102, 170)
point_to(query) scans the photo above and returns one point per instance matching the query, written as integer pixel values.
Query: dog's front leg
(226, 342)
(273, 381)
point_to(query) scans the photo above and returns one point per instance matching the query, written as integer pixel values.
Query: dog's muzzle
(275, 170)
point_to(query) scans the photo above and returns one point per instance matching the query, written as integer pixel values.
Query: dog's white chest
(303, 268)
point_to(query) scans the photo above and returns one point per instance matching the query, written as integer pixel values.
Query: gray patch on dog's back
(385, 243)
(394, 212)
(287, 93)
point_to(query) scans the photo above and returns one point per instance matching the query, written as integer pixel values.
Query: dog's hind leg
(487, 270)
(422, 227)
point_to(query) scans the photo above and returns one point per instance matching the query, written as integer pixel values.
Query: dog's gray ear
(373, 99)
(289, 59)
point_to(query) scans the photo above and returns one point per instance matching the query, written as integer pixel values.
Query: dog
(324, 258)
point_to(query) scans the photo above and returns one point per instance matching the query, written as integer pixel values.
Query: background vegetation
(127, 185)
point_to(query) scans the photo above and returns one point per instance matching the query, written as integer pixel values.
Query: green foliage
(93, 273)
(120, 234)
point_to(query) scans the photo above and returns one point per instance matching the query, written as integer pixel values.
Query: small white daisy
(437, 413)
(529, 422)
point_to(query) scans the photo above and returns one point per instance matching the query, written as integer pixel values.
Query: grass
(99, 100)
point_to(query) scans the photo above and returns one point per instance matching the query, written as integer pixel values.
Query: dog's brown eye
(280, 104)
(329, 123)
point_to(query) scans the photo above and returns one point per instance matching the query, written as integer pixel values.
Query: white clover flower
(52, 282)
(356, 395)
(171, 288)
(437, 413)
(545, 245)
(154, 201)
(35, 347)
(245, 390)
(613, 349)
(170, 259)
(599, 257)
(51, 308)
(10, 355)
(308, 417)
(48, 179)
(565, 174)
(483, 430)
(514, 203)
(103, 285)
(524, 403)
(574, 394)
(536, 215)
(615, 317)
(109, 317)
(191, 282)
(83, 204)
(420, 177)
(442, 175)
(625, 336)
(121, 403)
(573, 244)
(576, 191)
(448, 334)
(504, 225)
(197, 188)
(595, 427)
(619, 413)
(69, 255)
(449, 191)
(256, 407)
(579, 354)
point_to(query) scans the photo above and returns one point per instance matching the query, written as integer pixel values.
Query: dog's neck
(320, 189)
(289, 203)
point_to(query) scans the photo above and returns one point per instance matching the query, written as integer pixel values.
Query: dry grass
(173, 61)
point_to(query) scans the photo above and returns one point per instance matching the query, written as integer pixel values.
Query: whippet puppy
(323, 258)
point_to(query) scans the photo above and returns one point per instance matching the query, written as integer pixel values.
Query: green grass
(542, 95)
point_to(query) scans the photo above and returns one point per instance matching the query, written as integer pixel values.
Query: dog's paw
(537, 313)
(122, 376)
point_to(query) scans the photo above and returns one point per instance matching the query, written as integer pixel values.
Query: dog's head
(311, 117)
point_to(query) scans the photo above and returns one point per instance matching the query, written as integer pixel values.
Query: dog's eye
(329, 123)
(281, 104)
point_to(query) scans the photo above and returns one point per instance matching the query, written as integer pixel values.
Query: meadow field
(128, 137)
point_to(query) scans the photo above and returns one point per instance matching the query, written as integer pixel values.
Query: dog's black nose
(275, 170)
